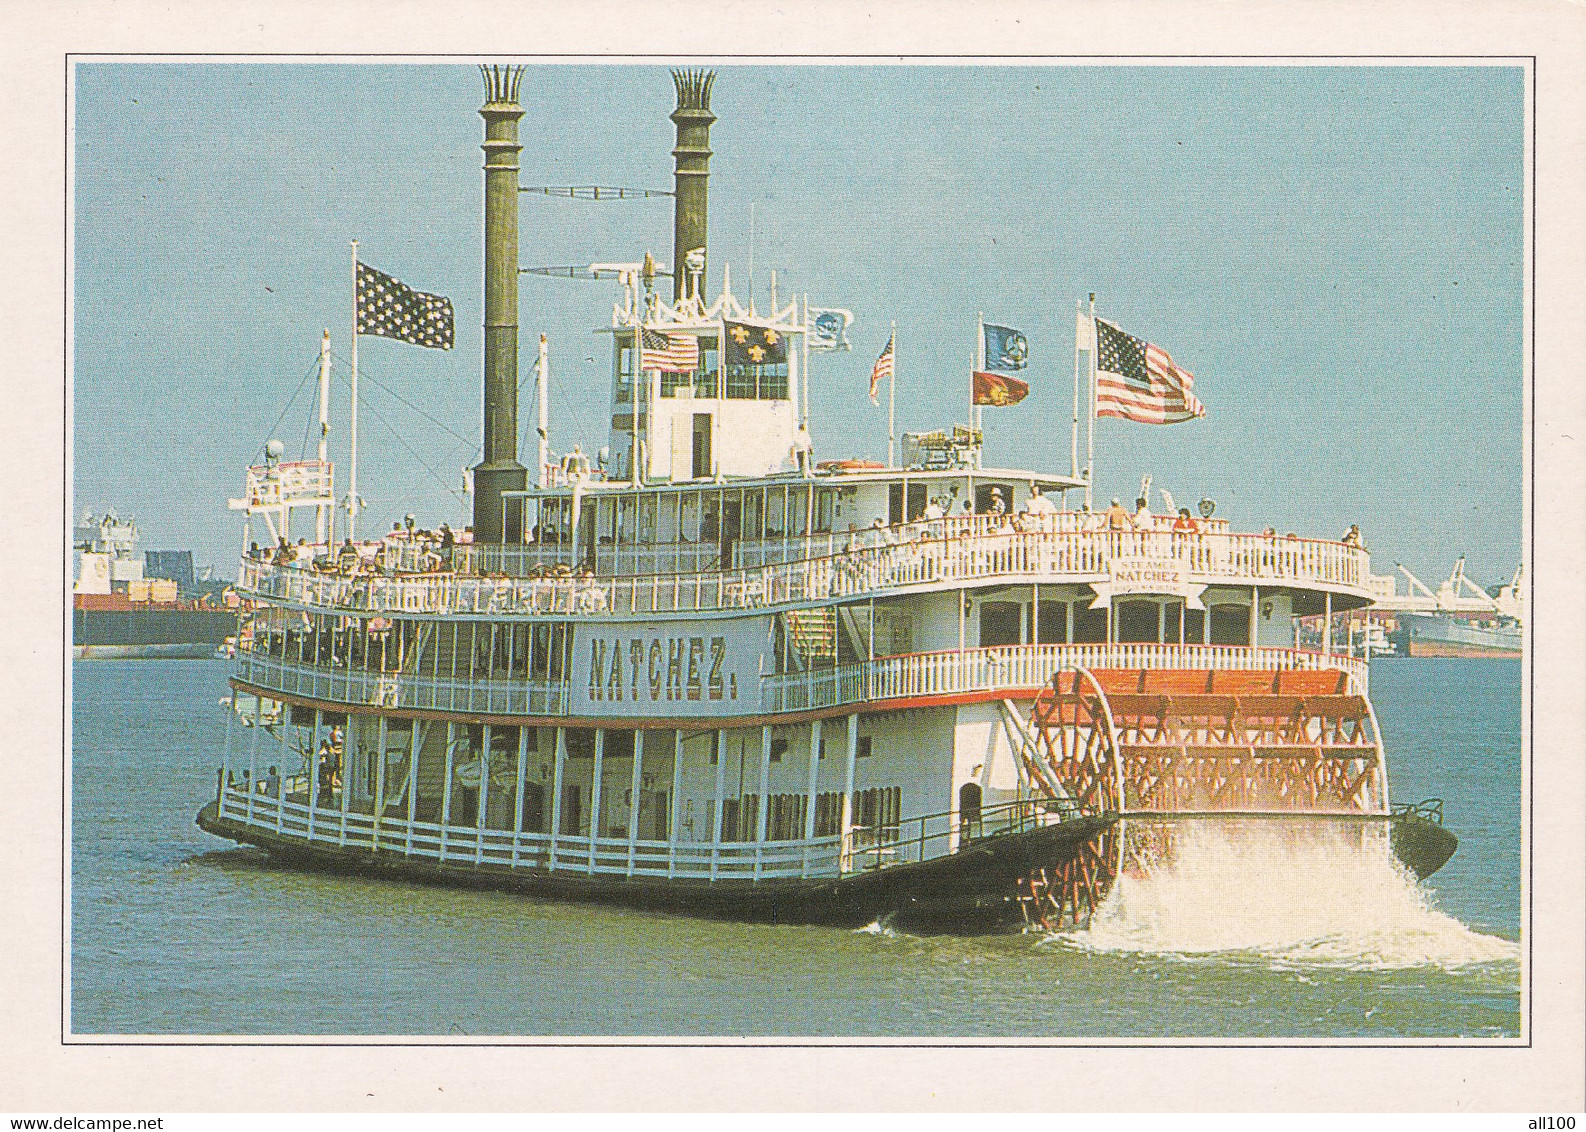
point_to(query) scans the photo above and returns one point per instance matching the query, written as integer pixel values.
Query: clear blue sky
(1335, 252)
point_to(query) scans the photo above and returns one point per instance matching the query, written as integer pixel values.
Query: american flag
(669, 353)
(388, 308)
(1139, 382)
(883, 368)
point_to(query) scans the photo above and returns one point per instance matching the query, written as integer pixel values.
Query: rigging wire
(312, 370)
(363, 372)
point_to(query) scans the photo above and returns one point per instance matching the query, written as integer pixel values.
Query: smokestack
(500, 471)
(692, 156)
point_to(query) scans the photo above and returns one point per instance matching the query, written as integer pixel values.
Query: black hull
(152, 627)
(976, 889)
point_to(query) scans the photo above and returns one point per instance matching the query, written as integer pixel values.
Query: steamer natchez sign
(1139, 574)
(676, 669)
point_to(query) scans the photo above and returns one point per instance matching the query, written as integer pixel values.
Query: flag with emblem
(1140, 382)
(389, 308)
(669, 353)
(883, 367)
(999, 390)
(828, 328)
(755, 345)
(1006, 348)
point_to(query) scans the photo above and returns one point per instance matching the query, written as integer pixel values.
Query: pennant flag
(388, 308)
(828, 328)
(755, 345)
(1084, 332)
(883, 367)
(669, 353)
(1006, 348)
(1139, 382)
(999, 389)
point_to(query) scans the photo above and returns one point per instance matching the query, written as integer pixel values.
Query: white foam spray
(1291, 893)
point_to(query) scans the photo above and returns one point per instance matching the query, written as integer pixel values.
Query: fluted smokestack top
(692, 172)
(500, 471)
(501, 83)
(693, 89)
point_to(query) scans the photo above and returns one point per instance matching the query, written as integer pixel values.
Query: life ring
(848, 466)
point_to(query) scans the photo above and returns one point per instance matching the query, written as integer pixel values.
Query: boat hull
(978, 888)
(1422, 635)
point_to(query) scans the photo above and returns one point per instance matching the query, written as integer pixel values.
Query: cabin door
(702, 461)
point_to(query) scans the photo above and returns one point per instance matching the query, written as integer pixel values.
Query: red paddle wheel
(1160, 746)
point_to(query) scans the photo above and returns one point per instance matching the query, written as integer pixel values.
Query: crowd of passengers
(328, 763)
(411, 550)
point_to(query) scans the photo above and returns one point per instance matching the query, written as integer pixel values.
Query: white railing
(401, 690)
(540, 852)
(272, 485)
(1017, 668)
(1052, 556)
(1010, 668)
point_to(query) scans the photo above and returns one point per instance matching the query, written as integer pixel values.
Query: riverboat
(712, 674)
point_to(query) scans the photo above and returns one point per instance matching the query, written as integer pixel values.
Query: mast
(1090, 425)
(352, 417)
(544, 430)
(1073, 440)
(892, 400)
(322, 530)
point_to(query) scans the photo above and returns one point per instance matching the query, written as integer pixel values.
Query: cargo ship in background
(1459, 619)
(127, 606)
(709, 672)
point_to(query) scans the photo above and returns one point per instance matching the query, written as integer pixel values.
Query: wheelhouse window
(622, 394)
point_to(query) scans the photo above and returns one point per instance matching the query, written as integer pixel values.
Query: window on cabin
(1051, 623)
(1090, 625)
(1137, 622)
(776, 512)
(751, 516)
(999, 624)
(688, 527)
(709, 365)
(710, 519)
(623, 393)
(647, 519)
(798, 502)
(823, 511)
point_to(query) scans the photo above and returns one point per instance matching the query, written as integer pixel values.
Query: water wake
(1292, 894)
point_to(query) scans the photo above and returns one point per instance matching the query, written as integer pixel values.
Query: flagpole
(980, 364)
(804, 369)
(352, 418)
(1073, 443)
(324, 517)
(1090, 425)
(892, 399)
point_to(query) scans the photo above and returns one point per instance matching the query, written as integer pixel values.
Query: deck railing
(921, 562)
(1015, 668)
(401, 690)
(560, 853)
(1012, 668)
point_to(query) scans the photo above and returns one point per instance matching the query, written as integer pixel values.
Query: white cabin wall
(1275, 629)
(982, 743)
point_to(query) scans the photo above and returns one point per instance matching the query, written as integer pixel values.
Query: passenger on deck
(1117, 519)
(1143, 519)
(270, 784)
(1352, 537)
(1185, 524)
(327, 768)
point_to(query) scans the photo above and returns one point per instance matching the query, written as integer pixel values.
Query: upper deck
(788, 571)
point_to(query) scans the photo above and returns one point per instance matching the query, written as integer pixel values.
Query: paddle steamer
(712, 673)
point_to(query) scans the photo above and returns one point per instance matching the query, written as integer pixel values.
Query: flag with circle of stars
(388, 308)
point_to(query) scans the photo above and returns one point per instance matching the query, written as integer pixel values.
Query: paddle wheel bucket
(1254, 751)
